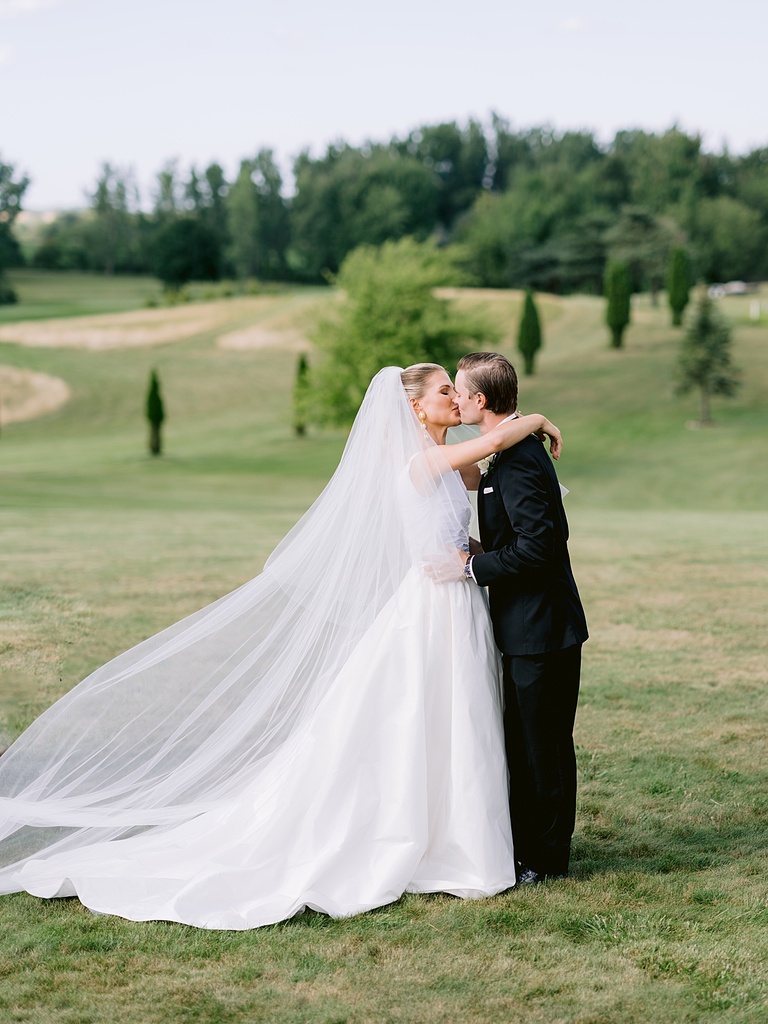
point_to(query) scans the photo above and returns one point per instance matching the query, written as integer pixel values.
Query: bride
(326, 736)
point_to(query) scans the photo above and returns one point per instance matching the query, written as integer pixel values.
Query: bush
(186, 250)
(390, 317)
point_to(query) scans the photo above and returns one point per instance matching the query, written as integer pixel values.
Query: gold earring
(423, 421)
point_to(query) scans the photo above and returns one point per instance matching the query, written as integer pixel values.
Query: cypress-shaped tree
(618, 292)
(301, 396)
(529, 339)
(155, 414)
(678, 283)
(705, 358)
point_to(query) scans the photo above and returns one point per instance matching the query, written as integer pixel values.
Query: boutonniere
(487, 465)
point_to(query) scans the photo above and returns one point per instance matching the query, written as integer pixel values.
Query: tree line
(530, 208)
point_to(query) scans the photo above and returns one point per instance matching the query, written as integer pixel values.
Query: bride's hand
(507, 433)
(448, 569)
(549, 430)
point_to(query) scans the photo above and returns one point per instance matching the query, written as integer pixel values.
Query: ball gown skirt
(396, 783)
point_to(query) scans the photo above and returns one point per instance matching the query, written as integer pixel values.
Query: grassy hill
(666, 916)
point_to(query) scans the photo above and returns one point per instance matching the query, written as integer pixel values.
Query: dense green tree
(746, 179)
(155, 412)
(355, 197)
(529, 339)
(509, 153)
(214, 195)
(11, 254)
(84, 240)
(529, 235)
(458, 158)
(618, 296)
(12, 189)
(257, 219)
(169, 194)
(301, 396)
(678, 283)
(575, 151)
(664, 170)
(705, 358)
(64, 243)
(184, 250)
(193, 195)
(643, 241)
(482, 244)
(390, 316)
(209, 195)
(111, 227)
(272, 223)
(730, 240)
(610, 182)
(242, 211)
(578, 253)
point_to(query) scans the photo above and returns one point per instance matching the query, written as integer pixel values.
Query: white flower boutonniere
(485, 465)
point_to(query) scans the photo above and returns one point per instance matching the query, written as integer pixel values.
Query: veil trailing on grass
(181, 723)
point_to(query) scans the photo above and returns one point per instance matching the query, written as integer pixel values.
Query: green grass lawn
(43, 293)
(666, 915)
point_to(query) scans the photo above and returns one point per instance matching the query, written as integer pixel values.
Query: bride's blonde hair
(415, 378)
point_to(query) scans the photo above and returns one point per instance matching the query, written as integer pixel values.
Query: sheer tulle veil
(180, 723)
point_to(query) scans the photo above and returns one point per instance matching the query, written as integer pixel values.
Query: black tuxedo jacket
(535, 606)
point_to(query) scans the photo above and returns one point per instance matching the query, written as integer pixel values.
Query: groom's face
(470, 406)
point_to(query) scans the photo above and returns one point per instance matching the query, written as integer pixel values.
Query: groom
(538, 621)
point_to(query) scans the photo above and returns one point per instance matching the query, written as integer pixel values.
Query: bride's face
(439, 401)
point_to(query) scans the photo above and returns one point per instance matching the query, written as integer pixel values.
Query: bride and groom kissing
(336, 731)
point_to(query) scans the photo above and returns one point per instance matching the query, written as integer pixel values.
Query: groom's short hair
(492, 375)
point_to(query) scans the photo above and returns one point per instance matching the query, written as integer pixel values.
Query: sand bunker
(160, 326)
(263, 337)
(119, 330)
(25, 395)
(276, 327)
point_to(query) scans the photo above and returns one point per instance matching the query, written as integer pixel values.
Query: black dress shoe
(527, 876)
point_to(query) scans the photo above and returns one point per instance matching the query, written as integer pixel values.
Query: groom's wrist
(468, 574)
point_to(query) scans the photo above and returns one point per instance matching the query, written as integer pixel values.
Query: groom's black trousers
(540, 693)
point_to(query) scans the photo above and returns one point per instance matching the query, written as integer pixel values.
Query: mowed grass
(666, 915)
(42, 293)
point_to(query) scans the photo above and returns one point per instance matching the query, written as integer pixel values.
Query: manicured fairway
(665, 917)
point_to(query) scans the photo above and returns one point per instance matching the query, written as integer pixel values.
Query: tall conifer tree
(155, 414)
(678, 284)
(705, 358)
(529, 339)
(618, 292)
(301, 396)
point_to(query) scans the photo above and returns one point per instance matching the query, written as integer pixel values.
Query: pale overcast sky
(139, 82)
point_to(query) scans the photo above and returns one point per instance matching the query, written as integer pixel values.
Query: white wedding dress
(385, 774)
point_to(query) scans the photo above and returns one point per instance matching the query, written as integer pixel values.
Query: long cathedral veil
(183, 721)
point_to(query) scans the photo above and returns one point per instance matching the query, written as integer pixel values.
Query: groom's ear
(481, 400)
